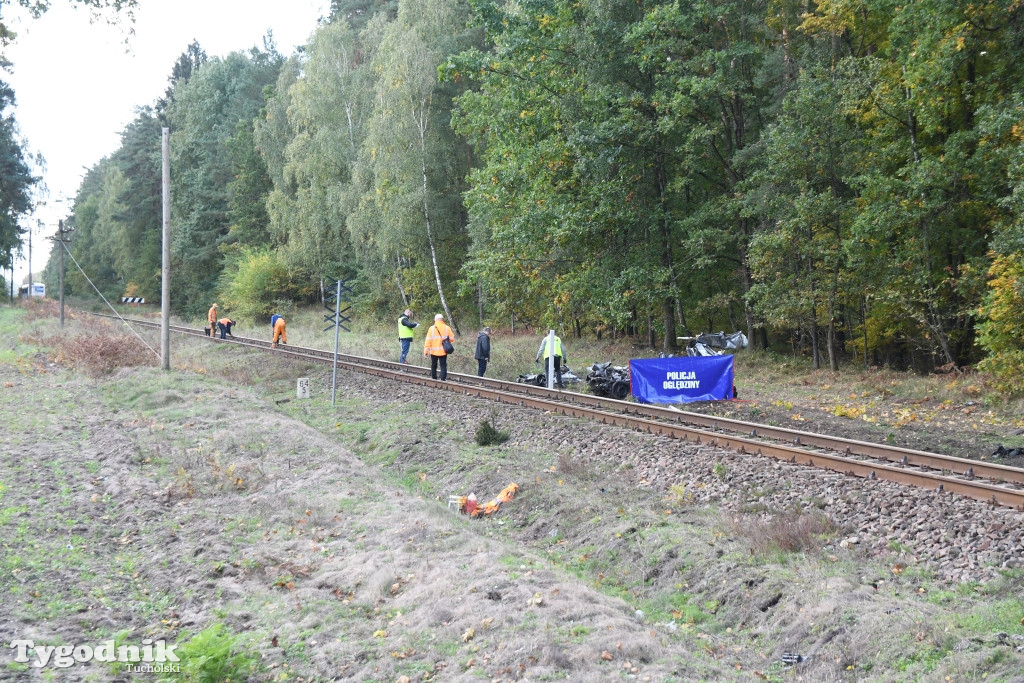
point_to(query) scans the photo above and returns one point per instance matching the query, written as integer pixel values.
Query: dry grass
(98, 349)
(789, 532)
(570, 466)
(40, 308)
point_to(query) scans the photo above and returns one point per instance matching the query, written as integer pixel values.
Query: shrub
(213, 656)
(256, 283)
(1001, 334)
(488, 435)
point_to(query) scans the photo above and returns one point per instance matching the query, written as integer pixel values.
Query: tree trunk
(833, 361)
(667, 261)
(401, 289)
(422, 126)
(679, 313)
(748, 282)
(480, 302)
(815, 352)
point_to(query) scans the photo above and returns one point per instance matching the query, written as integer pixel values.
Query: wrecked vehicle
(605, 379)
(541, 379)
(713, 343)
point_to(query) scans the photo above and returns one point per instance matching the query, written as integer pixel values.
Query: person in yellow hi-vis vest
(559, 354)
(433, 346)
(405, 328)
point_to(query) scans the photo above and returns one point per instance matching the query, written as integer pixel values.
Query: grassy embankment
(623, 544)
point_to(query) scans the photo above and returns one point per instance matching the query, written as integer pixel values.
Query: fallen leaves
(851, 412)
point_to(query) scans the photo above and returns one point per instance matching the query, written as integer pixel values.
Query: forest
(842, 179)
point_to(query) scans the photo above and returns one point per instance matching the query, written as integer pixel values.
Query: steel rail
(637, 416)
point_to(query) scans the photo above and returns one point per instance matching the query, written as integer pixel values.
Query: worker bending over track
(278, 325)
(224, 325)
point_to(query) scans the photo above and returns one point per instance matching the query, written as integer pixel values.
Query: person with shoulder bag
(438, 345)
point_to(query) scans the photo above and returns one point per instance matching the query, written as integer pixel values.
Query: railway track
(989, 482)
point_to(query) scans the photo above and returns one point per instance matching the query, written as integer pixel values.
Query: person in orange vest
(277, 322)
(433, 347)
(211, 318)
(224, 325)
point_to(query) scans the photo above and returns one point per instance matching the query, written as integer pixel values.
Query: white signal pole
(551, 359)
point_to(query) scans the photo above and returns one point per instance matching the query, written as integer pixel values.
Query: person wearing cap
(211, 318)
(433, 347)
(277, 324)
(483, 351)
(405, 328)
(224, 325)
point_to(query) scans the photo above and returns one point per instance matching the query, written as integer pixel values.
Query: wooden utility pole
(62, 239)
(60, 273)
(30, 260)
(165, 270)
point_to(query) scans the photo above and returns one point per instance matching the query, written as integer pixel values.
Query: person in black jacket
(483, 351)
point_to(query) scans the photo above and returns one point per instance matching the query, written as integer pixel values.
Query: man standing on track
(433, 347)
(405, 328)
(211, 318)
(483, 351)
(278, 325)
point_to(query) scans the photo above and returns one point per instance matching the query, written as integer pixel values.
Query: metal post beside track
(551, 359)
(336, 321)
(337, 331)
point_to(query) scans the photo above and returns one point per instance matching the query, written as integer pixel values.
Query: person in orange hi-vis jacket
(224, 325)
(277, 322)
(211, 318)
(433, 346)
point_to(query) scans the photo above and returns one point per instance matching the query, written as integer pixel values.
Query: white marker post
(302, 388)
(551, 359)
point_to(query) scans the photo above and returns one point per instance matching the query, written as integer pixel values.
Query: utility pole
(165, 269)
(30, 259)
(61, 240)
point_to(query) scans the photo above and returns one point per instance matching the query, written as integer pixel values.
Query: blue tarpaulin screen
(681, 380)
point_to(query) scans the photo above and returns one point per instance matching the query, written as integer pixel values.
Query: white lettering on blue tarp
(687, 374)
(686, 379)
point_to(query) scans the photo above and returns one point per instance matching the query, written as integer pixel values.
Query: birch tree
(410, 149)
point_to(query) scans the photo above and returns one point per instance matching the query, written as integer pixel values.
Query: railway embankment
(146, 505)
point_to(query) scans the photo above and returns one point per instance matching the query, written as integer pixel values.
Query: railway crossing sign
(341, 292)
